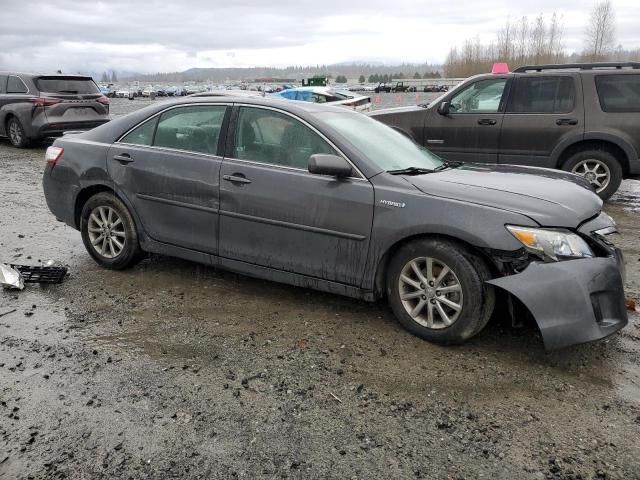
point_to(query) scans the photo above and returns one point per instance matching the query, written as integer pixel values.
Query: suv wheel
(109, 233)
(600, 167)
(17, 135)
(437, 291)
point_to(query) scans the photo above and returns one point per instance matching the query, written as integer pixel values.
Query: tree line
(539, 41)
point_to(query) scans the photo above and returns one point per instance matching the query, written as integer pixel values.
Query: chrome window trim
(304, 122)
(294, 169)
(170, 150)
(157, 114)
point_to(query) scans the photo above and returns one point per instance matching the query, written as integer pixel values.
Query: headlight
(551, 245)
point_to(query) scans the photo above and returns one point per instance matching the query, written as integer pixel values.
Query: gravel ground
(174, 370)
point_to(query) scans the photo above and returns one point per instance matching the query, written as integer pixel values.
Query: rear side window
(141, 135)
(16, 85)
(194, 129)
(70, 85)
(543, 95)
(3, 83)
(619, 93)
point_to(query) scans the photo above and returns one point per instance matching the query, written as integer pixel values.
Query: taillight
(53, 154)
(44, 101)
(103, 100)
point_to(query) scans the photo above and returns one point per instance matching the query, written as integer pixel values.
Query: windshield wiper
(411, 171)
(446, 165)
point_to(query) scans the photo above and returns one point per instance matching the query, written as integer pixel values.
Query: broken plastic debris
(47, 274)
(10, 278)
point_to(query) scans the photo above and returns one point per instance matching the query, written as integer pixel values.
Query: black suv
(38, 106)
(583, 118)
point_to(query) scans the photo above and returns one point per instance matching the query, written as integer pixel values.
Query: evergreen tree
(361, 79)
(105, 77)
(114, 77)
(416, 75)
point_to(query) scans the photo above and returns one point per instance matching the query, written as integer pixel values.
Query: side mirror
(444, 108)
(322, 164)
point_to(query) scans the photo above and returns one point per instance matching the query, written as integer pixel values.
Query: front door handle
(566, 121)
(237, 178)
(487, 121)
(123, 158)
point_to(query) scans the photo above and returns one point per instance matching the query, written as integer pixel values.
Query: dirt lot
(174, 370)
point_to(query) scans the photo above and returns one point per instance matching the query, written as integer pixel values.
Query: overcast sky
(161, 36)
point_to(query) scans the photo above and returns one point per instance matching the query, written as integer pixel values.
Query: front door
(276, 214)
(168, 168)
(470, 131)
(542, 112)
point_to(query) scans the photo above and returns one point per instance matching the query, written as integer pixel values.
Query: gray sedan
(325, 198)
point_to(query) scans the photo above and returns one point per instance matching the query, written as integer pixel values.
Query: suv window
(483, 96)
(194, 129)
(71, 85)
(542, 95)
(16, 85)
(3, 83)
(619, 93)
(141, 135)
(270, 137)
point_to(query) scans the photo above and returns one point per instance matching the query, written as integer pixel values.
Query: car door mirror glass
(323, 164)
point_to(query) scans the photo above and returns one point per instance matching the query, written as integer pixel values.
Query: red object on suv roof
(500, 68)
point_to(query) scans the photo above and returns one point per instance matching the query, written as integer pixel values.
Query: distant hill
(219, 75)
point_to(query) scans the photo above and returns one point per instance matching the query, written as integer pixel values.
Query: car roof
(309, 89)
(31, 74)
(270, 100)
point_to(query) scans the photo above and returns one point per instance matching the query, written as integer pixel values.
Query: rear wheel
(17, 135)
(437, 290)
(109, 233)
(599, 167)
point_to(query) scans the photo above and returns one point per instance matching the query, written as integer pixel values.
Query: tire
(593, 163)
(467, 271)
(121, 249)
(17, 135)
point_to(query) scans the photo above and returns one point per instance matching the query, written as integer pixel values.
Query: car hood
(549, 197)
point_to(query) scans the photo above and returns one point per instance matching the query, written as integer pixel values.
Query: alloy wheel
(595, 171)
(430, 293)
(106, 231)
(15, 133)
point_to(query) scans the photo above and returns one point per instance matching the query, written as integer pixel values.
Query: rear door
(470, 132)
(3, 102)
(276, 214)
(79, 100)
(542, 112)
(168, 169)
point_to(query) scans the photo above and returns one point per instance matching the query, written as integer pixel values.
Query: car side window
(483, 96)
(619, 93)
(554, 94)
(270, 137)
(142, 134)
(192, 128)
(16, 85)
(3, 83)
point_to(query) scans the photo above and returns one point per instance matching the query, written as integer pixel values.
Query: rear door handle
(487, 121)
(566, 121)
(237, 178)
(124, 158)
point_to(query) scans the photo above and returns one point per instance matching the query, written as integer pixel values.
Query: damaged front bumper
(573, 301)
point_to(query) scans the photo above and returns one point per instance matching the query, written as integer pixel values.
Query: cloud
(167, 36)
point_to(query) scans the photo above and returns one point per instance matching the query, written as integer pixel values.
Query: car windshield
(386, 147)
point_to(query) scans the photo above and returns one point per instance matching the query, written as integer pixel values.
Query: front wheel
(437, 291)
(599, 167)
(109, 232)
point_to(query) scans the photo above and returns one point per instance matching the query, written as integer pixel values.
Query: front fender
(573, 301)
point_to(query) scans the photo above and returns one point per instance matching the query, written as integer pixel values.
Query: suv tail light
(44, 101)
(53, 154)
(103, 100)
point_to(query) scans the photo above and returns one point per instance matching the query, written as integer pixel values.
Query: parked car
(148, 91)
(327, 95)
(404, 87)
(325, 198)
(33, 106)
(582, 118)
(383, 87)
